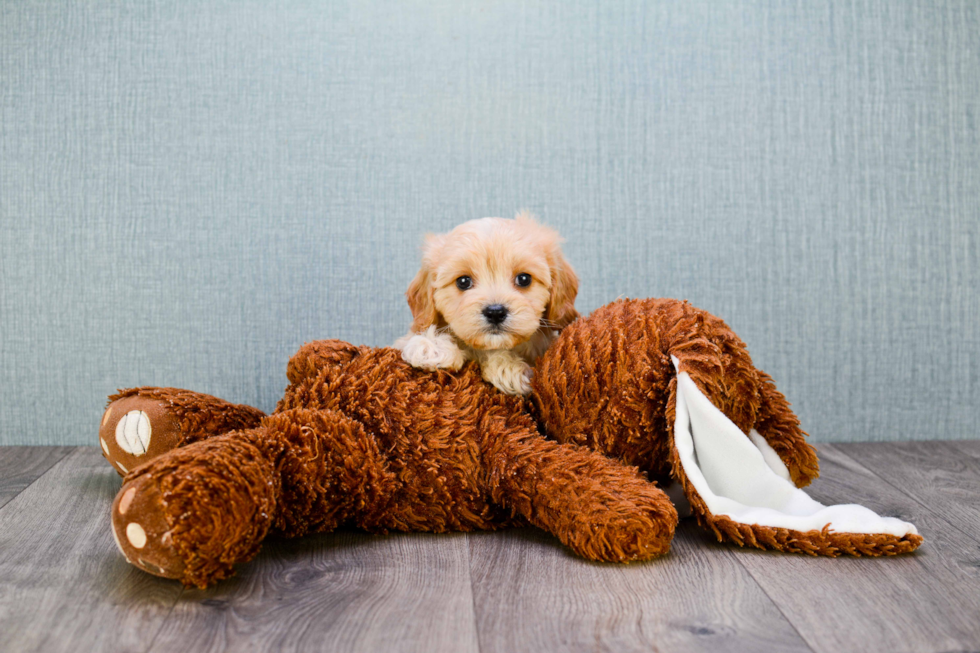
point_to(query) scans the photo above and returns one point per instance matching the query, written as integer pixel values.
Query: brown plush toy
(362, 438)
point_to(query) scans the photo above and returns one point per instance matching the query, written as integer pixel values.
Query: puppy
(492, 290)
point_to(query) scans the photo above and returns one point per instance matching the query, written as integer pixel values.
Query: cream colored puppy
(492, 290)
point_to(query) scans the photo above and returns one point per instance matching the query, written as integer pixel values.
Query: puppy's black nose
(495, 313)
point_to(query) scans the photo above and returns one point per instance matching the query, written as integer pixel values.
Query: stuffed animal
(637, 394)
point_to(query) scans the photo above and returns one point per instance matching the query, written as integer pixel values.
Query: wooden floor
(64, 587)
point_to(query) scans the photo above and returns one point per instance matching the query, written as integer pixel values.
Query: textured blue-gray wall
(190, 190)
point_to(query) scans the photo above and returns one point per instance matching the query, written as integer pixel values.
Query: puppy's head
(494, 282)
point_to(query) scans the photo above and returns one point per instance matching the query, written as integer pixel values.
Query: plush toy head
(362, 438)
(670, 388)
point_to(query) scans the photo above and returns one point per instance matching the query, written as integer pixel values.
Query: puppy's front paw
(508, 373)
(522, 382)
(431, 350)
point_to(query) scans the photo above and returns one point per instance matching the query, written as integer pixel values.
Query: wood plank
(926, 601)
(343, 591)
(63, 584)
(21, 466)
(939, 475)
(533, 594)
(969, 447)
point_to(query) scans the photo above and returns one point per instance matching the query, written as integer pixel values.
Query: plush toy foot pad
(142, 532)
(137, 429)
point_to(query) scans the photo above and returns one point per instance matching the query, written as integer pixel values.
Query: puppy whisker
(550, 324)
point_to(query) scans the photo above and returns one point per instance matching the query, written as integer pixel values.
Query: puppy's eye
(523, 280)
(464, 283)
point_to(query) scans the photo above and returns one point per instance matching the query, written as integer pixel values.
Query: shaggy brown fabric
(194, 418)
(362, 438)
(178, 417)
(609, 383)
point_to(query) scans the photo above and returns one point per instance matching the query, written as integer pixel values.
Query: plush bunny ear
(740, 489)
(564, 287)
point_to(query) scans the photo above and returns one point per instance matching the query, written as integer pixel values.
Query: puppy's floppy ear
(560, 310)
(420, 300)
(420, 292)
(564, 287)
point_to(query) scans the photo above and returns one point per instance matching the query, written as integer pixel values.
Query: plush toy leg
(743, 493)
(197, 511)
(139, 424)
(332, 472)
(194, 512)
(598, 507)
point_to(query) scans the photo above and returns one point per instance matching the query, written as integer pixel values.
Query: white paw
(431, 350)
(507, 372)
(520, 384)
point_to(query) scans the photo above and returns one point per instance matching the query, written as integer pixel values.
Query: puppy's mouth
(498, 336)
(497, 340)
(498, 327)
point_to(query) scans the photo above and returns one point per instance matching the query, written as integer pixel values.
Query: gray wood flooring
(64, 587)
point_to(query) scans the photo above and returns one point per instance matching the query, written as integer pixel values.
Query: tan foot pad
(141, 531)
(135, 430)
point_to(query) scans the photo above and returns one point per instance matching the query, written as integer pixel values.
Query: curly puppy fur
(491, 290)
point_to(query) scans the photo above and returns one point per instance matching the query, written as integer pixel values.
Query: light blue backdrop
(190, 190)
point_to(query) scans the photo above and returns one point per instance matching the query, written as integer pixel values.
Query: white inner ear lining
(739, 478)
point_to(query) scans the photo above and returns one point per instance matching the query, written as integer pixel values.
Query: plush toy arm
(313, 367)
(599, 507)
(140, 424)
(314, 357)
